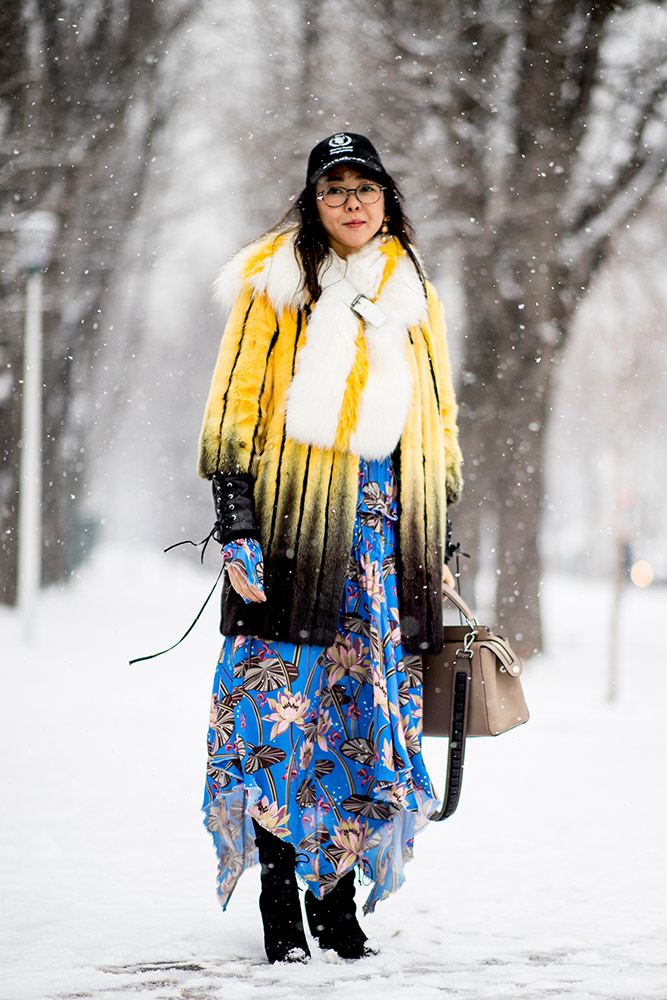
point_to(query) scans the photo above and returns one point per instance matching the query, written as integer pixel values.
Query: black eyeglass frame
(348, 191)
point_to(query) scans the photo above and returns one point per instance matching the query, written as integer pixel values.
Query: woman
(330, 439)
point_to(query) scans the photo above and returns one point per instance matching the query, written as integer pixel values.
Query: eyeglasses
(336, 196)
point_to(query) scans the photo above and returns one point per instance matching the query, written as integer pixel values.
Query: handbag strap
(459, 603)
(458, 724)
(458, 731)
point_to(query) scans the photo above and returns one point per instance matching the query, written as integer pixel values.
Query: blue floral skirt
(322, 746)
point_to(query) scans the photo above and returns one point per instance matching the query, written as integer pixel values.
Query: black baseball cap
(343, 147)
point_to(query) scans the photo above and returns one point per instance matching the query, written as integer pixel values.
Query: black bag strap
(458, 731)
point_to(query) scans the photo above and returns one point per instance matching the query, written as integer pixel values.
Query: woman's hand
(448, 578)
(245, 569)
(239, 581)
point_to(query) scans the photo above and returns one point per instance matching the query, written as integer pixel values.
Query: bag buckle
(466, 652)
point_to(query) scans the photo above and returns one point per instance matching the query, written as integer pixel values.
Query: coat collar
(353, 385)
(270, 265)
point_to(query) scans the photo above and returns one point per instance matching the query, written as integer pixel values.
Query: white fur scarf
(324, 363)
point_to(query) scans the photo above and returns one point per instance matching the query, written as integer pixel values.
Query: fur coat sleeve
(231, 436)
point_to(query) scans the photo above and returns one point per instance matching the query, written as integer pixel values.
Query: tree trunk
(507, 367)
(519, 560)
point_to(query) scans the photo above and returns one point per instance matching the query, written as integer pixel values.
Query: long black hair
(311, 242)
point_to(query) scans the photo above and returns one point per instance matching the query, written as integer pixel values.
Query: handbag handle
(458, 602)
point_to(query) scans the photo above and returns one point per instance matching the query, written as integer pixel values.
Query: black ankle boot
(333, 920)
(284, 938)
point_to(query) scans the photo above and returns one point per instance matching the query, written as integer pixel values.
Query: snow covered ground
(550, 881)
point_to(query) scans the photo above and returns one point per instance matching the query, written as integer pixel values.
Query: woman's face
(351, 226)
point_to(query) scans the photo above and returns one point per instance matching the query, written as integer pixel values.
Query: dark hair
(311, 243)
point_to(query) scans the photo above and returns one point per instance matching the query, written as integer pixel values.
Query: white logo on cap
(337, 142)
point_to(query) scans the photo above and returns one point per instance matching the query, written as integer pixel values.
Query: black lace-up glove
(234, 508)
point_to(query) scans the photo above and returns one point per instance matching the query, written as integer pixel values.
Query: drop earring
(384, 229)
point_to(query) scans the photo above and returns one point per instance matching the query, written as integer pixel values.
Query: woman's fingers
(241, 585)
(448, 577)
(255, 594)
(239, 582)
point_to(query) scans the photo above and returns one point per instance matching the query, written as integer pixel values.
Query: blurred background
(142, 143)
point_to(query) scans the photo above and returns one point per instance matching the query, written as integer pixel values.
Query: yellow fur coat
(300, 391)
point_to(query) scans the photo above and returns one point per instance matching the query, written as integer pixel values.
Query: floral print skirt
(322, 746)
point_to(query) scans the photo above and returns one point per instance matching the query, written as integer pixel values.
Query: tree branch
(629, 171)
(582, 71)
(584, 250)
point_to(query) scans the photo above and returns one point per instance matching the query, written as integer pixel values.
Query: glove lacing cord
(188, 541)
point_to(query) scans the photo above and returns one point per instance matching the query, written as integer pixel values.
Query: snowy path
(550, 881)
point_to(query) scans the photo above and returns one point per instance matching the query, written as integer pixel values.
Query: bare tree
(78, 108)
(542, 128)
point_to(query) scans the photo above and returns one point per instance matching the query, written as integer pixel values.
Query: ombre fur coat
(300, 391)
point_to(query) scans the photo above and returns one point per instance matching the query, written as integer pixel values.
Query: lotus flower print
(306, 754)
(272, 817)
(373, 583)
(288, 709)
(345, 658)
(380, 690)
(350, 837)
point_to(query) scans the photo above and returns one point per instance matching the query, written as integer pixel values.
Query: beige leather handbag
(471, 688)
